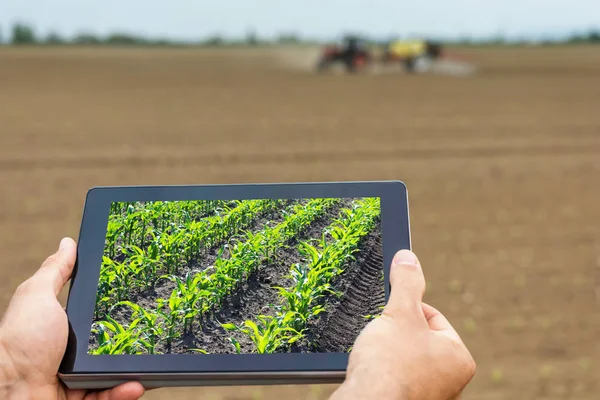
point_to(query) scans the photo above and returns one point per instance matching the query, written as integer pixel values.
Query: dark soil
(255, 297)
(336, 329)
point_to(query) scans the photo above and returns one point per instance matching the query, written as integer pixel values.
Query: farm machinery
(352, 54)
(412, 56)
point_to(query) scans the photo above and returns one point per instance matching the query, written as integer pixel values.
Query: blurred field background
(502, 168)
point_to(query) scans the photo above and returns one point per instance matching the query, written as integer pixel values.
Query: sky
(196, 19)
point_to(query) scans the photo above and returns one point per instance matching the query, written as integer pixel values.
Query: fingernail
(405, 257)
(63, 244)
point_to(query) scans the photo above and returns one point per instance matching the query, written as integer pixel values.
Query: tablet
(229, 284)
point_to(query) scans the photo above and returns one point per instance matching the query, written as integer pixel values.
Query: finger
(437, 321)
(56, 270)
(125, 391)
(407, 285)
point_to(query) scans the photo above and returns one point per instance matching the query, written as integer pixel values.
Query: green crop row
(199, 292)
(311, 281)
(162, 246)
(246, 256)
(133, 222)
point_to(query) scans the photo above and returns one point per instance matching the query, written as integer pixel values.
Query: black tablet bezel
(81, 299)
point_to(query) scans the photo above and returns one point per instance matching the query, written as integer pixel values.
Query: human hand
(33, 338)
(410, 352)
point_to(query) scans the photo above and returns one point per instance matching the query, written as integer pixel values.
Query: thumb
(407, 286)
(56, 270)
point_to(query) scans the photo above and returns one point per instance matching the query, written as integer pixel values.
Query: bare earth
(503, 171)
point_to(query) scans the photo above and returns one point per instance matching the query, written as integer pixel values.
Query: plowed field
(502, 167)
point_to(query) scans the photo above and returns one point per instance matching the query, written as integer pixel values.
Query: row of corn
(301, 301)
(199, 292)
(145, 241)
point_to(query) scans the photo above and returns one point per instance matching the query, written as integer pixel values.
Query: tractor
(352, 54)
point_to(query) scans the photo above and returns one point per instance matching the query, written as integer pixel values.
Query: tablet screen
(238, 276)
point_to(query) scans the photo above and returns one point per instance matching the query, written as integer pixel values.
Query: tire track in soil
(337, 329)
(254, 297)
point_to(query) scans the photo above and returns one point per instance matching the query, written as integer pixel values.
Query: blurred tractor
(352, 54)
(414, 55)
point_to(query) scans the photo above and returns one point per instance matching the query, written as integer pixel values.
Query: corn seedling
(267, 335)
(171, 310)
(149, 323)
(120, 340)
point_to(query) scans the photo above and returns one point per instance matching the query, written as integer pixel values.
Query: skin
(33, 338)
(411, 352)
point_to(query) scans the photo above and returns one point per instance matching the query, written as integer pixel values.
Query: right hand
(410, 352)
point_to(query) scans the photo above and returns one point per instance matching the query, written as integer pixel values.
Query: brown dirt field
(502, 169)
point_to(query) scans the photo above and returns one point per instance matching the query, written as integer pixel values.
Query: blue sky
(189, 19)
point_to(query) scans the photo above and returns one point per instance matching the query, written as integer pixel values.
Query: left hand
(33, 338)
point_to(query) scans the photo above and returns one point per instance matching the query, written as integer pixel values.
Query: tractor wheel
(350, 64)
(409, 65)
(434, 50)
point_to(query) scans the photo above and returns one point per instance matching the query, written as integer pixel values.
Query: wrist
(11, 381)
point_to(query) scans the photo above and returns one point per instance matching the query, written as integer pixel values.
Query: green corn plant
(190, 291)
(144, 265)
(145, 216)
(202, 284)
(300, 298)
(195, 239)
(171, 310)
(150, 325)
(115, 208)
(222, 280)
(156, 217)
(268, 335)
(169, 244)
(113, 231)
(103, 293)
(153, 257)
(124, 340)
(233, 341)
(118, 276)
(130, 223)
